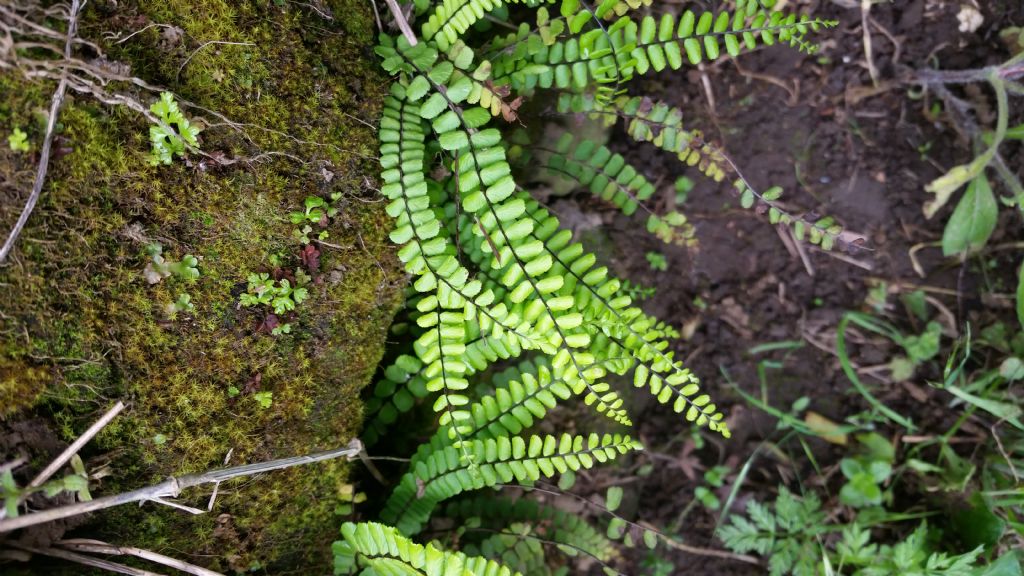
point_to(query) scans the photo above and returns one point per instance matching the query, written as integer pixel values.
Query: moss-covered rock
(81, 327)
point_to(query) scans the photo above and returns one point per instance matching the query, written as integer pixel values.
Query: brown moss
(83, 328)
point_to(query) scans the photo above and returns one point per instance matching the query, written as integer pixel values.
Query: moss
(82, 328)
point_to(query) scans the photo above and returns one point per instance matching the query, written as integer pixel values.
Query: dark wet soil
(813, 125)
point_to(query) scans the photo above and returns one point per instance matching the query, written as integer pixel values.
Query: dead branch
(86, 560)
(403, 24)
(98, 547)
(44, 157)
(173, 486)
(75, 446)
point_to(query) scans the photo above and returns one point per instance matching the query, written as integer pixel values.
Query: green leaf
(976, 524)
(944, 186)
(974, 219)
(614, 498)
(1007, 565)
(417, 88)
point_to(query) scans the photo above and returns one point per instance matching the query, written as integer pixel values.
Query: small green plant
(265, 399)
(974, 218)
(173, 135)
(317, 211)
(975, 493)
(867, 472)
(786, 531)
(657, 261)
(75, 483)
(912, 556)
(182, 304)
(794, 534)
(18, 140)
(159, 267)
(278, 295)
(637, 291)
(714, 478)
(683, 186)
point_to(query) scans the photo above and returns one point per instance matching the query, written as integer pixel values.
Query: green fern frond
(607, 175)
(444, 473)
(630, 47)
(394, 394)
(549, 522)
(372, 548)
(516, 547)
(661, 125)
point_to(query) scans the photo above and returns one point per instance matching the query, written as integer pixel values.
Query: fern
(441, 474)
(371, 548)
(496, 279)
(608, 176)
(662, 126)
(551, 524)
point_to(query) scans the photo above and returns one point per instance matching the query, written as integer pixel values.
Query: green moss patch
(81, 327)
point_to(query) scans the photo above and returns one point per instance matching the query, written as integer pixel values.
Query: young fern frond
(452, 18)
(607, 175)
(372, 548)
(548, 522)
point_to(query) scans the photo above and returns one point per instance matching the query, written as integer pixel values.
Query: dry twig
(173, 486)
(44, 156)
(86, 560)
(98, 547)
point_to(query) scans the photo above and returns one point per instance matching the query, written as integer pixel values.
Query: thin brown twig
(51, 123)
(808, 265)
(85, 560)
(77, 445)
(699, 551)
(865, 13)
(98, 547)
(403, 24)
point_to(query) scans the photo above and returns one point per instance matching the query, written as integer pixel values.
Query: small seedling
(714, 479)
(867, 472)
(159, 267)
(76, 483)
(317, 210)
(174, 135)
(265, 399)
(280, 295)
(182, 304)
(18, 140)
(683, 187)
(657, 261)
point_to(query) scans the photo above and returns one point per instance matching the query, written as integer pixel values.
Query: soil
(801, 122)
